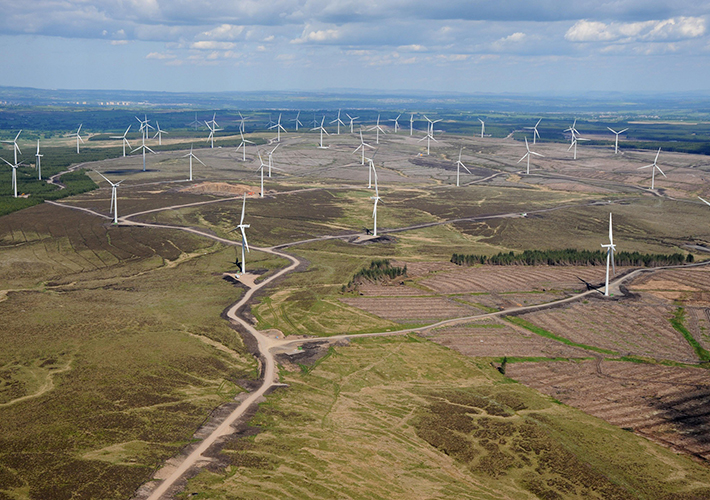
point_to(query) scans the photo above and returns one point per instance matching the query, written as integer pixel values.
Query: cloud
(650, 31)
(160, 56)
(319, 36)
(119, 42)
(224, 32)
(212, 45)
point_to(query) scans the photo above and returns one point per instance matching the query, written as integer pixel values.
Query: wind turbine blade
(704, 201)
(102, 175)
(146, 147)
(659, 169)
(537, 154)
(524, 156)
(244, 205)
(611, 235)
(659, 152)
(621, 132)
(614, 131)
(244, 238)
(3, 159)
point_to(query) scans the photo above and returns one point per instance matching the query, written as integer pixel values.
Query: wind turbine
(396, 123)
(352, 119)
(261, 167)
(610, 249)
(362, 146)
(159, 134)
(411, 124)
(278, 128)
(297, 121)
(124, 141)
(212, 125)
(536, 134)
(14, 175)
(527, 155)
(191, 155)
(243, 145)
(483, 127)
(114, 197)
(339, 122)
(575, 137)
(376, 198)
(143, 147)
(322, 130)
(144, 126)
(378, 129)
(38, 162)
(242, 227)
(241, 122)
(78, 138)
(460, 164)
(195, 123)
(655, 166)
(429, 135)
(271, 153)
(15, 147)
(616, 143)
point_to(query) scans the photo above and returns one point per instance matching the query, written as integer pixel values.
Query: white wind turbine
(212, 125)
(114, 197)
(610, 249)
(38, 162)
(14, 174)
(376, 198)
(396, 123)
(483, 127)
(242, 227)
(352, 119)
(527, 155)
(460, 164)
(261, 168)
(536, 134)
(429, 135)
(616, 143)
(78, 138)
(278, 128)
(653, 170)
(362, 147)
(575, 137)
(297, 121)
(270, 163)
(339, 122)
(411, 124)
(144, 148)
(15, 147)
(241, 122)
(159, 134)
(378, 129)
(144, 126)
(191, 155)
(243, 146)
(322, 131)
(124, 141)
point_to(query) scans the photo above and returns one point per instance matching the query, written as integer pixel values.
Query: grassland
(404, 418)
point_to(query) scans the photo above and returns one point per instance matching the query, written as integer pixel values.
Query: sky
(309, 45)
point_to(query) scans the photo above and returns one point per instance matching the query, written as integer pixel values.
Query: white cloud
(680, 28)
(411, 48)
(119, 42)
(212, 45)
(319, 36)
(224, 32)
(160, 55)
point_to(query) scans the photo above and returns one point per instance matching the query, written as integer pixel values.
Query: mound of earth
(219, 189)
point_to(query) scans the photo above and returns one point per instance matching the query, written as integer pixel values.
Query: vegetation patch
(544, 333)
(677, 322)
(378, 270)
(572, 257)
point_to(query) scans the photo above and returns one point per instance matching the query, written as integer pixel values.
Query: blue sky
(447, 45)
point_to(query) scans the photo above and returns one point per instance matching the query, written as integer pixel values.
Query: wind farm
(401, 305)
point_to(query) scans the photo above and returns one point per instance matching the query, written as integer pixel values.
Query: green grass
(392, 418)
(677, 323)
(544, 333)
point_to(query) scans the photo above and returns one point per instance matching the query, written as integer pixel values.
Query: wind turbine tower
(376, 198)
(339, 122)
(242, 227)
(297, 121)
(191, 155)
(396, 123)
(411, 124)
(38, 162)
(14, 175)
(378, 129)
(536, 134)
(610, 249)
(78, 138)
(616, 142)
(243, 146)
(278, 128)
(159, 134)
(654, 166)
(527, 155)
(362, 147)
(261, 168)
(483, 127)
(322, 131)
(114, 197)
(124, 141)
(460, 164)
(352, 119)
(270, 163)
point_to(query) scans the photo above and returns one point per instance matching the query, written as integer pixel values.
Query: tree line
(379, 269)
(572, 257)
